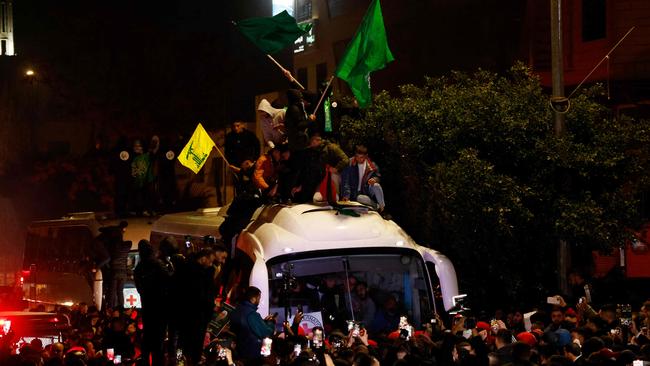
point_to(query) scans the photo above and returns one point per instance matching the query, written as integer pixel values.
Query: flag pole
(323, 95)
(223, 156)
(285, 71)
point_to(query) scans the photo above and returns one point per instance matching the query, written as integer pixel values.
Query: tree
(472, 168)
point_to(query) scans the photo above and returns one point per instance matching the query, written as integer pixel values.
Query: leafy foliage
(472, 166)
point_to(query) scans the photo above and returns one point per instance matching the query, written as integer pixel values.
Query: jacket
(296, 122)
(250, 329)
(265, 175)
(350, 179)
(241, 146)
(273, 126)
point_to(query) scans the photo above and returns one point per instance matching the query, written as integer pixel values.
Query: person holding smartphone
(249, 326)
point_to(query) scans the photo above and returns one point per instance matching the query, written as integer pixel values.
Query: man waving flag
(367, 52)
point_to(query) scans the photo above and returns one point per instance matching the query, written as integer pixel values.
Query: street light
(30, 72)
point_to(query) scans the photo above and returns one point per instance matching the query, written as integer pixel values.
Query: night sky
(158, 66)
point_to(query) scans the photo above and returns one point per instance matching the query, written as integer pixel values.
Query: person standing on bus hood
(152, 282)
(272, 120)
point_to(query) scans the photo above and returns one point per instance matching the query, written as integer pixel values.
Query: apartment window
(3, 17)
(303, 10)
(594, 17)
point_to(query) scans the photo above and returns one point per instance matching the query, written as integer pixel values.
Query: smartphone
(297, 349)
(356, 330)
(553, 300)
(403, 322)
(221, 352)
(117, 360)
(494, 325)
(317, 339)
(266, 347)
(110, 354)
(299, 307)
(350, 325)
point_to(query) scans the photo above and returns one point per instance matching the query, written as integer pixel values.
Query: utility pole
(559, 103)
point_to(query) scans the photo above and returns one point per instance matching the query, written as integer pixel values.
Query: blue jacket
(250, 329)
(350, 179)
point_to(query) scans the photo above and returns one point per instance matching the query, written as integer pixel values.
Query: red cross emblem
(132, 299)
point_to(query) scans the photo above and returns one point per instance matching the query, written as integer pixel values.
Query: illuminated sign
(304, 42)
(131, 298)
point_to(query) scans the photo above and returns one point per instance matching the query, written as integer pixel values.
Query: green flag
(272, 34)
(367, 52)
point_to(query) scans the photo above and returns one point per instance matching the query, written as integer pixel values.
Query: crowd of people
(170, 331)
(299, 165)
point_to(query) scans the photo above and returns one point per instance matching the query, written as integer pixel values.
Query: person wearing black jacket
(241, 145)
(198, 293)
(175, 263)
(152, 281)
(296, 121)
(119, 257)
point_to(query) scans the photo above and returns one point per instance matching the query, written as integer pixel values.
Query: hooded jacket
(273, 126)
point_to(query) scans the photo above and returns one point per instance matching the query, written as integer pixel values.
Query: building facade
(433, 38)
(591, 28)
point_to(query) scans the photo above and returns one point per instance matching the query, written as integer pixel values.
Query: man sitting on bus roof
(360, 181)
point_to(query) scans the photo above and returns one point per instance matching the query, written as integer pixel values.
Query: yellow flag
(197, 150)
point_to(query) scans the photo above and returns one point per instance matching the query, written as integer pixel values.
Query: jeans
(376, 198)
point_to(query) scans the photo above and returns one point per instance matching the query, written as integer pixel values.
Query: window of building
(303, 10)
(282, 5)
(3, 17)
(302, 76)
(3, 47)
(594, 19)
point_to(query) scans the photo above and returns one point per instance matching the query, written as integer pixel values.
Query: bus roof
(282, 230)
(195, 223)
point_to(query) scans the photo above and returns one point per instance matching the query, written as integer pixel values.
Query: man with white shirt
(360, 181)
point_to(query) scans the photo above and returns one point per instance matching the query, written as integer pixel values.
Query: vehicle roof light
(400, 243)
(288, 250)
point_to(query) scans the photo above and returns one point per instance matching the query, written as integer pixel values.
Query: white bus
(313, 243)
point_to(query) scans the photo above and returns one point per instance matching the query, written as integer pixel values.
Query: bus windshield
(371, 289)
